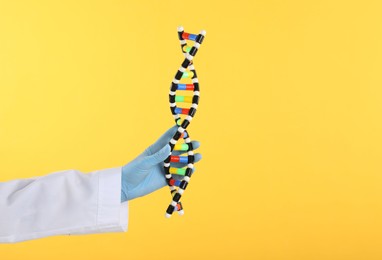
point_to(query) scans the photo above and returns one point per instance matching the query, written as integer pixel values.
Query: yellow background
(290, 121)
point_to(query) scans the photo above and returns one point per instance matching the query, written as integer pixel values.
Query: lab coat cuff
(112, 215)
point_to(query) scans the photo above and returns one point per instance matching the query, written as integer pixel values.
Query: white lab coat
(62, 203)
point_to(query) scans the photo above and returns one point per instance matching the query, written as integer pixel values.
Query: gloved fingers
(195, 145)
(162, 141)
(157, 157)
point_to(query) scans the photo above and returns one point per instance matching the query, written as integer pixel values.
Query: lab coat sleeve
(62, 203)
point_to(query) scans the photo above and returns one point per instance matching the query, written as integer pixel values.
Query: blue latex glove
(145, 173)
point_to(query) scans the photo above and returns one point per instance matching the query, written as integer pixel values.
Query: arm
(65, 202)
(70, 202)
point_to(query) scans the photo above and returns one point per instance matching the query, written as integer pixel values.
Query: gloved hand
(145, 173)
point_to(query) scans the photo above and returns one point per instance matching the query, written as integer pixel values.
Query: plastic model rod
(185, 72)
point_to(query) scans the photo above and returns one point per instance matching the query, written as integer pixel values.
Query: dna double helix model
(183, 117)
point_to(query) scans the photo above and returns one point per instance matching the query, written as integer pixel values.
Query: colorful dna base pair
(183, 117)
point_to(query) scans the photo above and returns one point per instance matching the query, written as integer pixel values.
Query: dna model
(183, 117)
